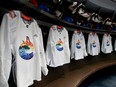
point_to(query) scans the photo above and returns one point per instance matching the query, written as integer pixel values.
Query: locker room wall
(55, 73)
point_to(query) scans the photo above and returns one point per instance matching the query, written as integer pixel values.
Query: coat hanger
(59, 26)
(25, 15)
(78, 31)
(93, 32)
(108, 33)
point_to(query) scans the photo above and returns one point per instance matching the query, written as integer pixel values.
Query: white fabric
(56, 1)
(74, 4)
(78, 46)
(93, 45)
(115, 45)
(57, 50)
(26, 45)
(95, 18)
(3, 81)
(58, 13)
(107, 21)
(7, 25)
(83, 13)
(73, 7)
(106, 44)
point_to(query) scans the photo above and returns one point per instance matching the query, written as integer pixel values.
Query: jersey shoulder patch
(53, 27)
(12, 14)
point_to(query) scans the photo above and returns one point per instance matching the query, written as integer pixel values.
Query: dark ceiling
(105, 5)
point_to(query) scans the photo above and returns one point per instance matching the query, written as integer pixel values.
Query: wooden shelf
(48, 19)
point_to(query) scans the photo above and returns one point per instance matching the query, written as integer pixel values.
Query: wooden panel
(86, 67)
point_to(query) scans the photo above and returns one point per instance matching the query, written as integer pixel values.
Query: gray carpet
(108, 81)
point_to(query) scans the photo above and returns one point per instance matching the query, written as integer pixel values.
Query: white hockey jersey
(106, 44)
(78, 47)
(93, 45)
(115, 45)
(57, 50)
(25, 42)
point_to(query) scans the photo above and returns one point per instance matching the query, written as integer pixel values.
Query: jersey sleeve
(98, 43)
(5, 51)
(42, 53)
(102, 46)
(84, 47)
(115, 45)
(67, 52)
(49, 50)
(88, 44)
(73, 46)
(111, 44)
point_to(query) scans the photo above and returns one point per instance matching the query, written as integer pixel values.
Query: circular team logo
(78, 46)
(108, 44)
(26, 49)
(94, 44)
(59, 45)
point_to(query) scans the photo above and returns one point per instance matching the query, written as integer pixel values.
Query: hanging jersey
(57, 52)
(78, 47)
(93, 45)
(8, 22)
(26, 45)
(115, 45)
(106, 44)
